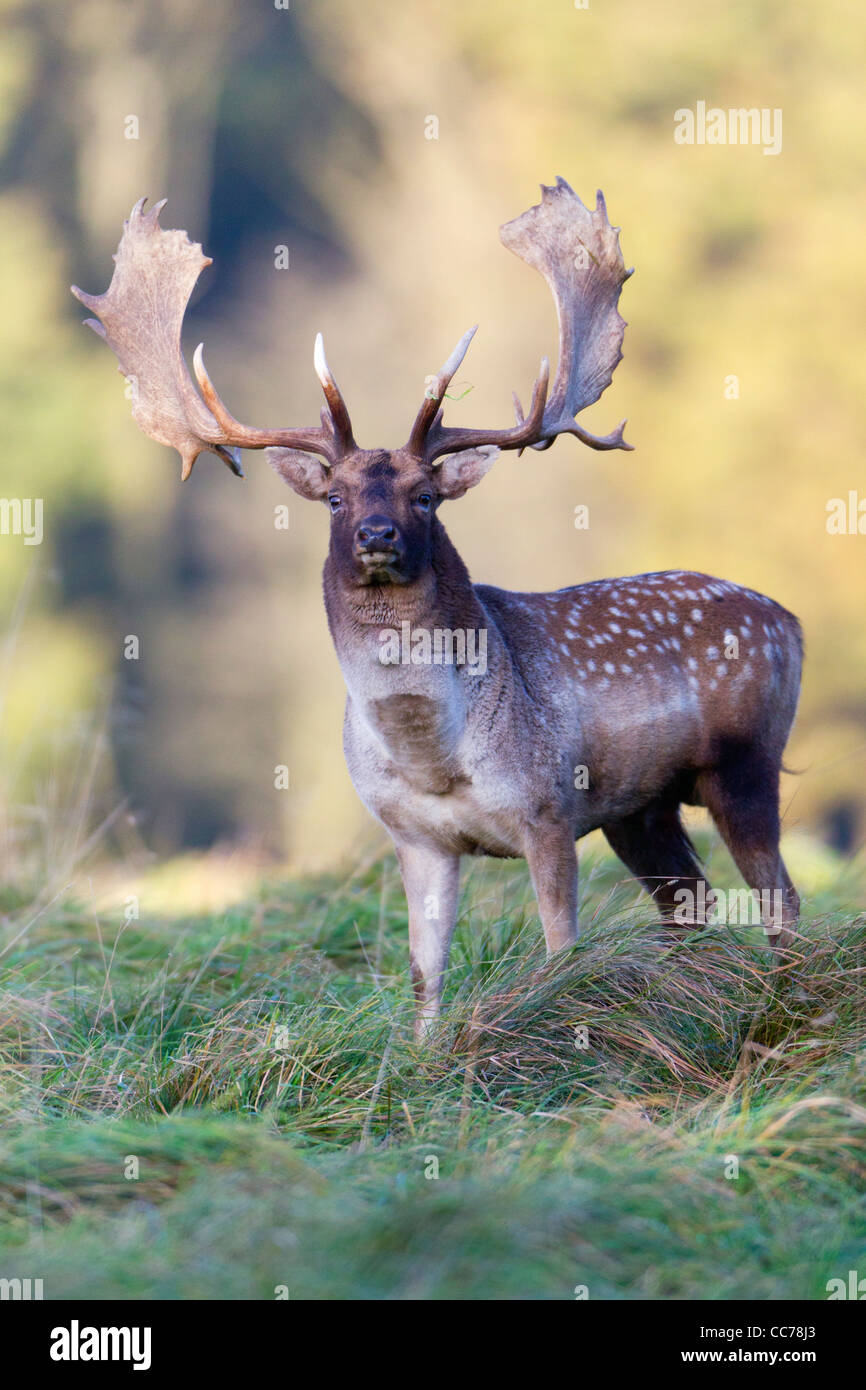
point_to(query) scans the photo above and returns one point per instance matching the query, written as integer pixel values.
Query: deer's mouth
(380, 566)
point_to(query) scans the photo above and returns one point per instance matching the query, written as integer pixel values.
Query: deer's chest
(430, 772)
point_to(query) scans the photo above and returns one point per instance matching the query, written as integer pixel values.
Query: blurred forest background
(307, 127)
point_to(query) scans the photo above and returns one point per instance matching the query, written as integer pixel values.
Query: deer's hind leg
(743, 799)
(654, 847)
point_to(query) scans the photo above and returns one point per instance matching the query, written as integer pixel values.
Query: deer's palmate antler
(578, 253)
(141, 317)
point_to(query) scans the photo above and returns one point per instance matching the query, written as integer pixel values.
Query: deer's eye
(424, 501)
(335, 502)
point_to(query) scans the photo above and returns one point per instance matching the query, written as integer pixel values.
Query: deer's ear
(458, 473)
(303, 472)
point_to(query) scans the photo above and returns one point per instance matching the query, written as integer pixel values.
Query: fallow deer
(604, 705)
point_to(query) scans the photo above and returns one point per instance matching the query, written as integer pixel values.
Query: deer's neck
(442, 594)
(414, 657)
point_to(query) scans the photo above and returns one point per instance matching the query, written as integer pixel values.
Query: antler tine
(230, 426)
(336, 405)
(141, 317)
(322, 440)
(444, 440)
(539, 396)
(614, 440)
(432, 401)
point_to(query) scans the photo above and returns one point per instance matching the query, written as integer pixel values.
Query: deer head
(383, 502)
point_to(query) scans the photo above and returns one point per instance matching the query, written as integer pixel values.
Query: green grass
(259, 1066)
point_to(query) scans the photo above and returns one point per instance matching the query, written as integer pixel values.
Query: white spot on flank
(697, 614)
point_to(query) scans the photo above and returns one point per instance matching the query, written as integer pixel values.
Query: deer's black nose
(376, 533)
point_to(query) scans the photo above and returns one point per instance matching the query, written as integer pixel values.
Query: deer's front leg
(431, 880)
(552, 864)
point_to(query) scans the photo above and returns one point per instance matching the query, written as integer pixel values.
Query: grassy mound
(220, 1106)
